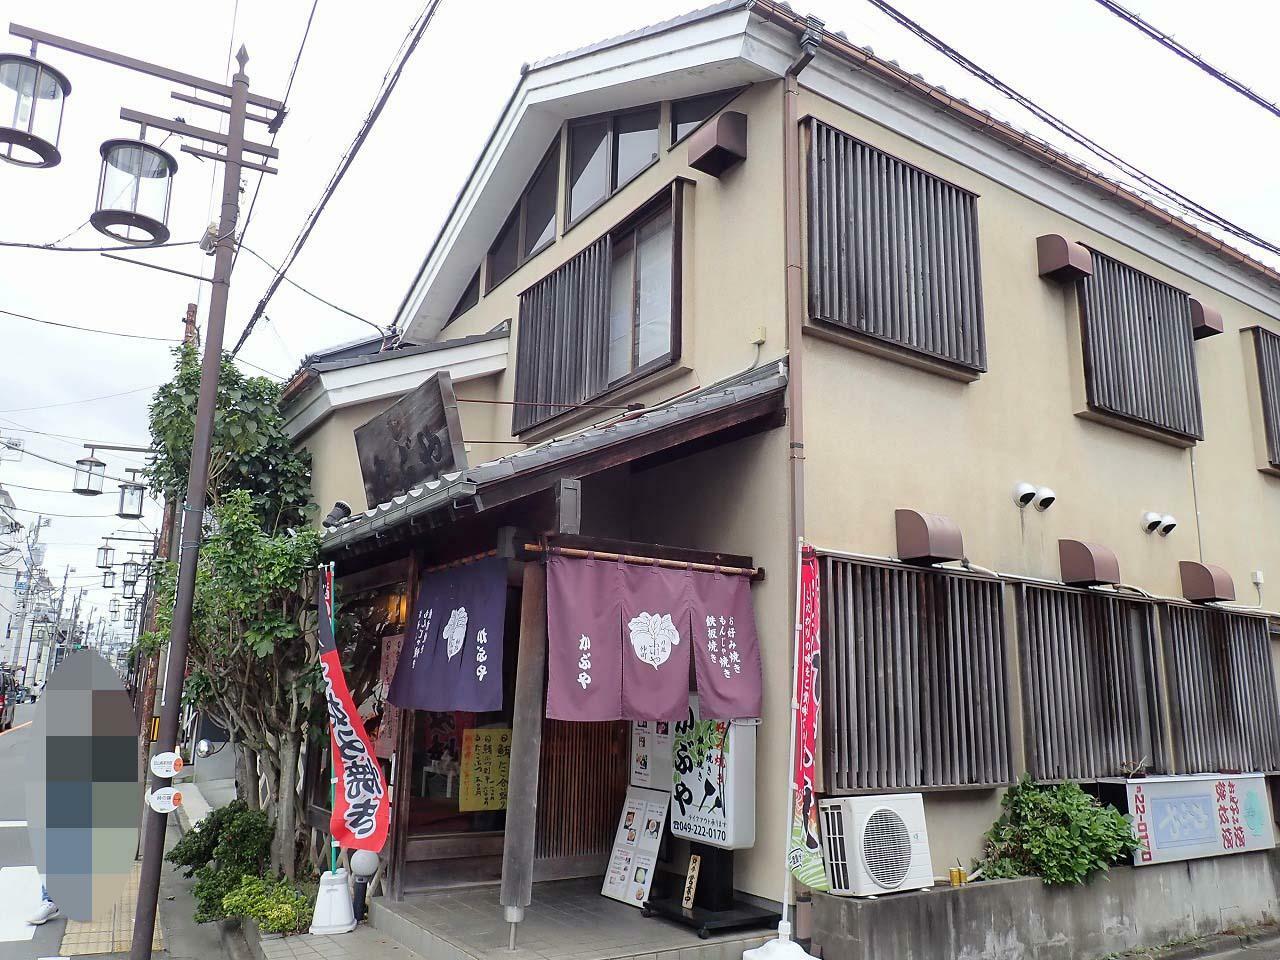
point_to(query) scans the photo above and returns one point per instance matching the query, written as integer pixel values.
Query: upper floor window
(1139, 364)
(893, 254)
(532, 224)
(470, 297)
(687, 115)
(605, 154)
(609, 316)
(1266, 347)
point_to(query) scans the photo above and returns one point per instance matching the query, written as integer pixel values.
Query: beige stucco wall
(732, 261)
(882, 435)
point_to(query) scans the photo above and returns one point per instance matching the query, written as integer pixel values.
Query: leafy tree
(250, 450)
(1060, 834)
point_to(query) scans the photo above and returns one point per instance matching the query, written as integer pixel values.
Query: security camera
(1167, 523)
(1044, 499)
(1151, 521)
(1023, 495)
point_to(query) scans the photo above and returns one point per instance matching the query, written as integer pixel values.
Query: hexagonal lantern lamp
(130, 500)
(114, 605)
(32, 95)
(129, 572)
(115, 614)
(90, 473)
(129, 589)
(108, 579)
(130, 615)
(133, 191)
(106, 556)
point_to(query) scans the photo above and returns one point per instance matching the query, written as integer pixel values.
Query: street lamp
(106, 556)
(133, 191)
(32, 95)
(108, 579)
(90, 472)
(114, 605)
(131, 498)
(129, 572)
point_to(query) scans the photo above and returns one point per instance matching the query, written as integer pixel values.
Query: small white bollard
(783, 948)
(333, 913)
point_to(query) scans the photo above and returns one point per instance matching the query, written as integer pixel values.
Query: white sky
(1072, 56)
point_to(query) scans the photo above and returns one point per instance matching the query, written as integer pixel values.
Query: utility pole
(57, 626)
(233, 101)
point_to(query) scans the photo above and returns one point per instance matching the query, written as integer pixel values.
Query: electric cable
(1166, 40)
(313, 295)
(116, 249)
(72, 326)
(391, 79)
(1168, 193)
(71, 403)
(61, 463)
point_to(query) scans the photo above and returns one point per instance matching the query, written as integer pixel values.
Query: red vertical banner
(804, 853)
(360, 811)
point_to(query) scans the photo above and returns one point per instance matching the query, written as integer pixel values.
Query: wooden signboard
(416, 439)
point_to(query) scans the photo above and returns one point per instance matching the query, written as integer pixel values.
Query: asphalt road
(19, 881)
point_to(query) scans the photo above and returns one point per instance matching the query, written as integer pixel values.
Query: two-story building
(732, 281)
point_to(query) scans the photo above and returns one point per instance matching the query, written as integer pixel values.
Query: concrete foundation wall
(1120, 910)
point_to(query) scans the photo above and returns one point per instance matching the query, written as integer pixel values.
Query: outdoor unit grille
(874, 845)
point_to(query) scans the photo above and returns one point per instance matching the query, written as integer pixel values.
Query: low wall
(1007, 919)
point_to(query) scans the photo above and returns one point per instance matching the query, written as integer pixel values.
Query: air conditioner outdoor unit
(875, 845)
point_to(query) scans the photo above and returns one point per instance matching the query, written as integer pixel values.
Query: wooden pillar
(526, 748)
(400, 799)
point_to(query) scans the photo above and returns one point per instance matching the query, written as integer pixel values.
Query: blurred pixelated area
(112, 933)
(83, 798)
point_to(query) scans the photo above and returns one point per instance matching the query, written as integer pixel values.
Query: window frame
(519, 219)
(458, 308)
(630, 230)
(610, 160)
(1268, 393)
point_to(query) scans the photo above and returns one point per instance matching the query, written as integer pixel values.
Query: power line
(391, 78)
(65, 516)
(1167, 41)
(1168, 193)
(71, 403)
(288, 87)
(116, 249)
(312, 294)
(72, 326)
(17, 427)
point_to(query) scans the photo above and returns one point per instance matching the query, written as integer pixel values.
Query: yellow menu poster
(486, 763)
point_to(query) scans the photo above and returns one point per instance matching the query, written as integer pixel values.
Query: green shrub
(1060, 834)
(277, 905)
(231, 843)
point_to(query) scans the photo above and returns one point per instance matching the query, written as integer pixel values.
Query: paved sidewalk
(363, 943)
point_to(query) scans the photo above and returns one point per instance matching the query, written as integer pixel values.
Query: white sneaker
(48, 911)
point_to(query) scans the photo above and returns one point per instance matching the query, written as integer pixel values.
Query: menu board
(635, 846)
(651, 753)
(714, 781)
(389, 728)
(485, 767)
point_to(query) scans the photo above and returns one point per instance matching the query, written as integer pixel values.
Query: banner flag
(360, 804)
(804, 852)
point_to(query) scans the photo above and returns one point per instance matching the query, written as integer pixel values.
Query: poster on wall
(1203, 815)
(635, 846)
(713, 781)
(485, 766)
(651, 753)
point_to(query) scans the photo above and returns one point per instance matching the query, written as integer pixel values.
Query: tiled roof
(748, 385)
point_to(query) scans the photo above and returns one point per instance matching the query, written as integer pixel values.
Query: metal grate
(836, 844)
(1091, 699)
(1267, 349)
(1223, 692)
(893, 251)
(914, 678)
(886, 847)
(1139, 361)
(562, 354)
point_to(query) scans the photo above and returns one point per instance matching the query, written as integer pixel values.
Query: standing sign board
(651, 753)
(413, 441)
(635, 846)
(1203, 815)
(714, 781)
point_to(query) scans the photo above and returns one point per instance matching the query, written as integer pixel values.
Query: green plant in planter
(277, 905)
(1060, 834)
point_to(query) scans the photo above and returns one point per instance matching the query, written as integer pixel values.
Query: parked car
(8, 699)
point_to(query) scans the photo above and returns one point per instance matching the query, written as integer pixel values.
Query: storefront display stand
(736, 917)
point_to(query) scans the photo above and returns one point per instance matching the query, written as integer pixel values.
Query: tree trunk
(286, 842)
(247, 787)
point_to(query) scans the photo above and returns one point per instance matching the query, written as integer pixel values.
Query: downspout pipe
(810, 40)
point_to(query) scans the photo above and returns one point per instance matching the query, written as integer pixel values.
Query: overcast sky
(1074, 57)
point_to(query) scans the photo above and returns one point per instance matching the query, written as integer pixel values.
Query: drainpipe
(794, 293)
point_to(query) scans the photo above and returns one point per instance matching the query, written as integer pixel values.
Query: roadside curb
(1216, 944)
(234, 944)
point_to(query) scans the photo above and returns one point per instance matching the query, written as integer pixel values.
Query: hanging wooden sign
(691, 881)
(413, 441)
